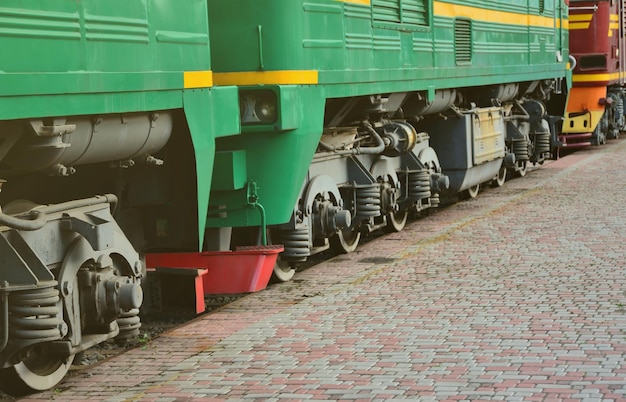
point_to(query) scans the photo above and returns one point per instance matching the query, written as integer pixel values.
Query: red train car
(595, 108)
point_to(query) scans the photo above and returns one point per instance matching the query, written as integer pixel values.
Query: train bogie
(377, 108)
(74, 282)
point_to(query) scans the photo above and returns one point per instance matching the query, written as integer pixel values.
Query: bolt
(61, 170)
(63, 329)
(151, 160)
(138, 267)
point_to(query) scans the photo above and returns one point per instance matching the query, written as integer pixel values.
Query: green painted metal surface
(67, 50)
(276, 159)
(208, 112)
(344, 42)
(94, 57)
(359, 49)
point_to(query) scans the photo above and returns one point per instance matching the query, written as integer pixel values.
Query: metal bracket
(96, 230)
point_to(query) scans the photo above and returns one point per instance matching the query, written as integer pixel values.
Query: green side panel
(262, 39)
(277, 159)
(232, 171)
(63, 51)
(210, 113)
(407, 15)
(361, 49)
(18, 107)
(387, 41)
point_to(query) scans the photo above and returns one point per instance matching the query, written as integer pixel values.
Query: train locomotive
(108, 121)
(301, 123)
(357, 113)
(595, 109)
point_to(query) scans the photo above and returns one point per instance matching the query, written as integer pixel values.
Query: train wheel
(500, 178)
(396, 221)
(346, 240)
(472, 192)
(39, 371)
(283, 271)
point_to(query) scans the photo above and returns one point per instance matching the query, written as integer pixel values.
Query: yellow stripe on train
(455, 10)
(284, 77)
(581, 17)
(580, 21)
(198, 79)
(614, 25)
(502, 17)
(364, 2)
(596, 77)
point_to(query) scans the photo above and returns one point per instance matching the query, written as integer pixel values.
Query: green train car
(356, 113)
(108, 121)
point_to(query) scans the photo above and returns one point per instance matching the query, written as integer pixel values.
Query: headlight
(257, 107)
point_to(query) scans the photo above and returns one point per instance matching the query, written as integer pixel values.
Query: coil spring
(129, 323)
(34, 315)
(520, 149)
(296, 243)
(367, 201)
(419, 184)
(542, 142)
(619, 119)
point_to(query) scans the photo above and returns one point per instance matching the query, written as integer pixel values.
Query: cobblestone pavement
(518, 295)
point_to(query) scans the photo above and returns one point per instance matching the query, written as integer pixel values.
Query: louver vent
(463, 41)
(542, 6)
(406, 12)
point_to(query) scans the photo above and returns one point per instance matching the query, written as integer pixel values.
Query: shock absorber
(367, 201)
(519, 147)
(34, 315)
(417, 184)
(541, 131)
(296, 242)
(129, 324)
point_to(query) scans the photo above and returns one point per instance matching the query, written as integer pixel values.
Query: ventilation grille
(406, 12)
(542, 6)
(463, 41)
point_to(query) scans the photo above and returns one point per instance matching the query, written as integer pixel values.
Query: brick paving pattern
(518, 295)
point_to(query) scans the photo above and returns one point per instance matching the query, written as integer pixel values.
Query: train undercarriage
(70, 277)
(613, 120)
(384, 157)
(74, 283)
